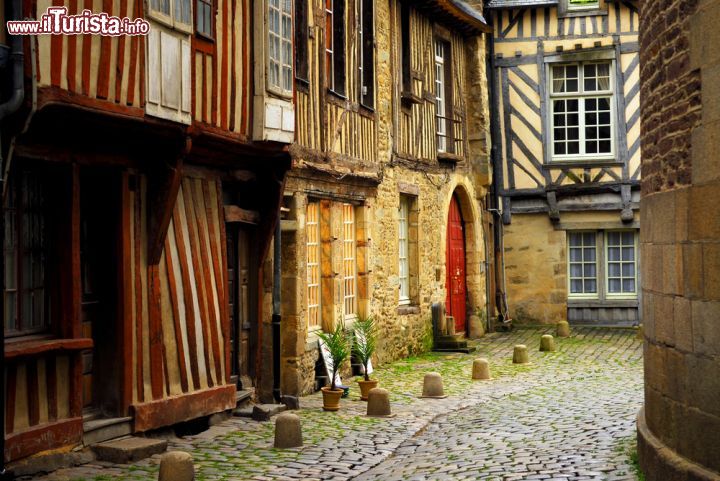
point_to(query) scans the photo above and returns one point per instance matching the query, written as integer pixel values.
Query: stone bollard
(547, 343)
(433, 386)
(176, 466)
(563, 329)
(288, 433)
(520, 354)
(640, 334)
(378, 402)
(481, 370)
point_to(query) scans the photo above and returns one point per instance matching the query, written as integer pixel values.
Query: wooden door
(99, 247)
(455, 264)
(241, 311)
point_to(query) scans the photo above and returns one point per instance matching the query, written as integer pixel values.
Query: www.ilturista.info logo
(56, 21)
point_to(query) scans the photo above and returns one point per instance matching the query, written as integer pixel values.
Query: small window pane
(615, 286)
(590, 286)
(628, 285)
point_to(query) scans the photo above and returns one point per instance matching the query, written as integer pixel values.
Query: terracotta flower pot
(365, 387)
(331, 398)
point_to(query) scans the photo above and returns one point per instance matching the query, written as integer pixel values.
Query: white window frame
(581, 96)
(634, 262)
(404, 250)
(598, 273)
(586, 6)
(283, 59)
(313, 263)
(169, 19)
(349, 262)
(441, 123)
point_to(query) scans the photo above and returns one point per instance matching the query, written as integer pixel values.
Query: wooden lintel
(161, 209)
(176, 409)
(288, 225)
(234, 213)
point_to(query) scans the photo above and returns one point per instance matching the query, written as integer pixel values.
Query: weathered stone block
(693, 270)
(520, 354)
(711, 269)
(563, 329)
(547, 343)
(127, 450)
(702, 200)
(705, 331)
(378, 402)
(432, 385)
(288, 431)
(481, 369)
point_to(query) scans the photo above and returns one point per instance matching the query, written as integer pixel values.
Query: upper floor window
(366, 52)
(581, 99)
(25, 256)
(583, 4)
(405, 46)
(301, 40)
(204, 18)
(335, 45)
(173, 13)
(443, 97)
(280, 53)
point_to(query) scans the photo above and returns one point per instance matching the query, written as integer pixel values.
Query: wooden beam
(234, 213)
(16, 350)
(163, 197)
(67, 432)
(176, 409)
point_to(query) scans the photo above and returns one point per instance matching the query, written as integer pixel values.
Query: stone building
(679, 427)
(566, 158)
(390, 156)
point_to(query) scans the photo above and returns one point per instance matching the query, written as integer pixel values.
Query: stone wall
(535, 269)
(679, 428)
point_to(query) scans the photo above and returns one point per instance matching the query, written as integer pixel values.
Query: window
(366, 52)
(301, 40)
(443, 100)
(335, 45)
(405, 45)
(581, 111)
(312, 230)
(349, 265)
(280, 56)
(204, 18)
(173, 13)
(25, 257)
(612, 275)
(583, 264)
(404, 250)
(583, 4)
(621, 266)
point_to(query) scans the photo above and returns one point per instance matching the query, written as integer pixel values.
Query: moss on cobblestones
(502, 415)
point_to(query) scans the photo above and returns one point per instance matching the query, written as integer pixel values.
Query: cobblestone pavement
(569, 415)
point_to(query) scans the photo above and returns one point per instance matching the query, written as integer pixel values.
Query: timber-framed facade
(144, 177)
(392, 135)
(566, 136)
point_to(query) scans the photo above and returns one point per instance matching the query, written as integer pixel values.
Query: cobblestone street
(568, 415)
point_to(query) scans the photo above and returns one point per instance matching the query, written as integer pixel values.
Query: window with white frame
(173, 13)
(404, 249)
(204, 18)
(313, 246)
(280, 49)
(440, 97)
(583, 264)
(602, 264)
(583, 4)
(621, 263)
(581, 99)
(349, 262)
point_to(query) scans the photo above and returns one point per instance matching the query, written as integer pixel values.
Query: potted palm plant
(336, 344)
(364, 347)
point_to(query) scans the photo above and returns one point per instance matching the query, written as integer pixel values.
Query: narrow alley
(567, 415)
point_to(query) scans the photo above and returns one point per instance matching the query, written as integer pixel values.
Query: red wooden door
(455, 265)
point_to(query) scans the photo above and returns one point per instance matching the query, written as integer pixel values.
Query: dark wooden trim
(51, 386)
(18, 350)
(67, 432)
(120, 61)
(227, 328)
(103, 74)
(72, 49)
(164, 196)
(137, 245)
(10, 393)
(87, 53)
(125, 296)
(505, 89)
(176, 409)
(621, 128)
(233, 213)
(224, 67)
(54, 95)
(31, 383)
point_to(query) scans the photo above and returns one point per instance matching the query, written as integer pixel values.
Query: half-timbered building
(390, 169)
(566, 137)
(143, 179)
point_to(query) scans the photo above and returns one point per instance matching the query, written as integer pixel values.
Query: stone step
(263, 412)
(98, 430)
(128, 450)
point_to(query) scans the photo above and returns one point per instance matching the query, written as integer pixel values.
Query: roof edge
(466, 13)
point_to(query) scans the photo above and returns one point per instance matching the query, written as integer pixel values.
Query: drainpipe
(277, 271)
(7, 108)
